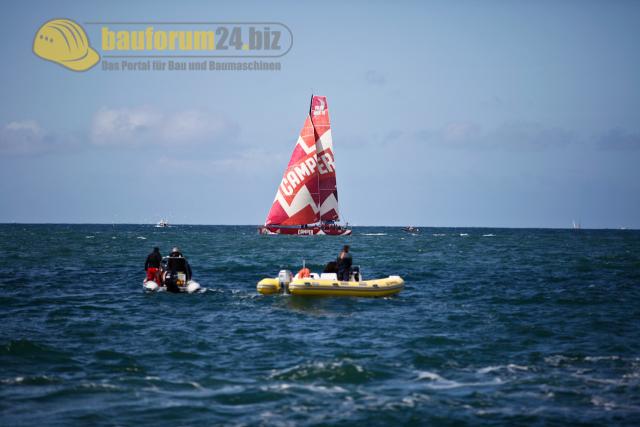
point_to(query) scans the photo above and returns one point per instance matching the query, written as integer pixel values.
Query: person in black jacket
(152, 264)
(177, 261)
(344, 262)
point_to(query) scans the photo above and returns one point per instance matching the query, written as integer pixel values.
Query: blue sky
(517, 114)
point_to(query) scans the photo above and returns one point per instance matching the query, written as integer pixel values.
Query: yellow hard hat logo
(64, 42)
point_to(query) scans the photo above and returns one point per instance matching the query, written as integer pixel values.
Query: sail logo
(301, 172)
(319, 110)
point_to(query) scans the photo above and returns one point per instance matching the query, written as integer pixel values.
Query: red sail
(296, 201)
(327, 189)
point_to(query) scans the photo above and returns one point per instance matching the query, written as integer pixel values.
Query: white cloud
(375, 78)
(147, 126)
(27, 125)
(460, 131)
(509, 136)
(619, 139)
(249, 162)
(22, 137)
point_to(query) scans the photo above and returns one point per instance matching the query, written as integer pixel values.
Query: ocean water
(494, 327)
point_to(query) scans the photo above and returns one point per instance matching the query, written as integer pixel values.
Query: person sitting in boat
(303, 273)
(344, 262)
(331, 267)
(177, 262)
(152, 265)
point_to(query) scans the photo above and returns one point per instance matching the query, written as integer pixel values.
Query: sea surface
(494, 327)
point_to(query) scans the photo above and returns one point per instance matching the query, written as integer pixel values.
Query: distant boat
(163, 223)
(411, 229)
(306, 200)
(576, 225)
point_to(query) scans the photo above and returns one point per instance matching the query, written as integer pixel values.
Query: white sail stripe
(306, 149)
(299, 202)
(329, 203)
(324, 142)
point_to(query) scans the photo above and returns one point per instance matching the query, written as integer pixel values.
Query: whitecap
(558, 359)
(489, 235)
(510, 367)
(488, 369)
(307, 368)
(599, 358)
(99, 386)
(141, 238)
(464, 234)
(426, 375)
(21, 379)
(89, 237)
(592, 379)
(16, 380)
(436, 382)
(306, 387)
(601, 402)
(374, 234)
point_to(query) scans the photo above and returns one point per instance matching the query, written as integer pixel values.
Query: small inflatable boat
(189, 287)
(173, 276)
(327, 284)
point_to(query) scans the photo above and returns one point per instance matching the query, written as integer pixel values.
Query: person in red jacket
(152, 265)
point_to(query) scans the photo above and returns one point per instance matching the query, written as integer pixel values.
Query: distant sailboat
(576, 225)
(163, 223)
(306, 201)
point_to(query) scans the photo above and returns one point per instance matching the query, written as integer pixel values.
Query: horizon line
(351, 226)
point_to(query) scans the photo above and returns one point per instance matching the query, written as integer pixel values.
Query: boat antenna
(303, 263)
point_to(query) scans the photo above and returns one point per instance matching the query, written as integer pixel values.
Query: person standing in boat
(152, 265)
(344, 262)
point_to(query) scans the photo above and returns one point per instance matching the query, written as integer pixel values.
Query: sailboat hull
(308, 231)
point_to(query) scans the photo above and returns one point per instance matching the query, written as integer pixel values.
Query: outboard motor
(355, 271)
(175, 276)
(284, 278)
(171, 281)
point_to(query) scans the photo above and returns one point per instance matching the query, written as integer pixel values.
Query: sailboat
(306, 201)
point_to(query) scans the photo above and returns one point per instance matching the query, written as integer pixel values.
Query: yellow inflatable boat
(327, 284)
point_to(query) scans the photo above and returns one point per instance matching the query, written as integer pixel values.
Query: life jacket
(303, 273)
